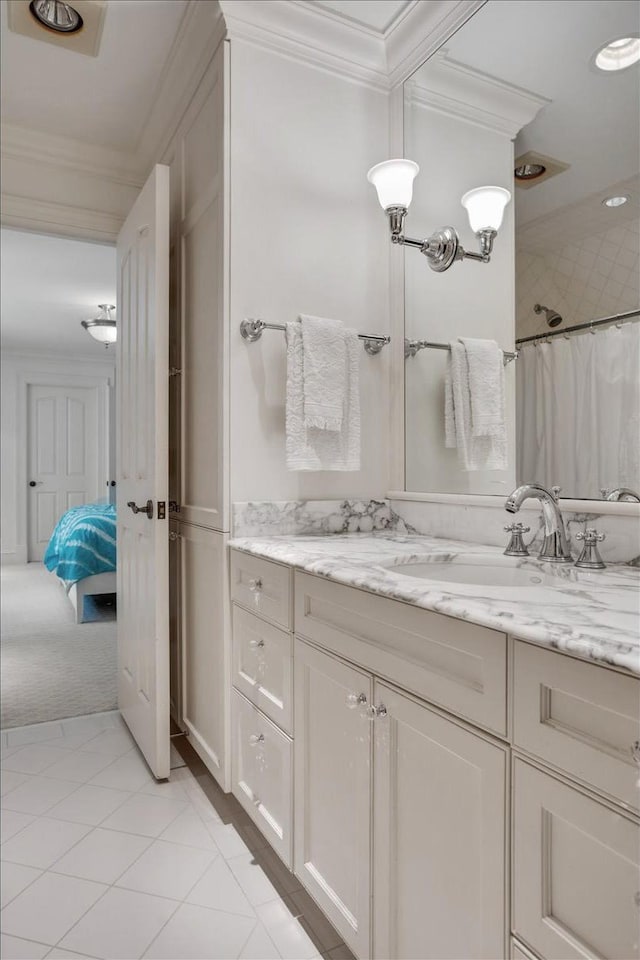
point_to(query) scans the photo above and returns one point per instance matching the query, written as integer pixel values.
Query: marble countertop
(591, 614)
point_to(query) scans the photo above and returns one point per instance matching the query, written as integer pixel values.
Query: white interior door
(62, 457)
(142, 468)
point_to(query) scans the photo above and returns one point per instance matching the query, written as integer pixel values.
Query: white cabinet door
(204, 669)
(439, 836)
(576, 872)
(332, 751)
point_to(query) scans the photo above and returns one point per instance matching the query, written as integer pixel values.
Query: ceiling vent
(30, 19)
(532, 168)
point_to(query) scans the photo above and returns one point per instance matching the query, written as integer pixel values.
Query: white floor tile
(92, 723)
(129, 772)
(172, 790)
(35, 758)
(112, 743)
(200, 802)
(103, 855)
(227, 840)
(49, 907)
(58, 954)
(12, 823)
(256, 886)
(42, 842)
(147, 816)
(89, 804)
(15, 948)
(167, 870)
(219, 890)
(189, 829)
(9, 780)
(6, 752)
(259, 946)
(79, 766)
(286, 932)
(195, 933)
(315, 921)
(120, 926)
(37, 794)
(14, 878)
(34, 733)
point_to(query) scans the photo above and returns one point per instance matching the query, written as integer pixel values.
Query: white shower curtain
(578, 411)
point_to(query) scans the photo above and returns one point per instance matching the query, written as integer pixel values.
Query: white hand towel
(474, 452)
(486, 384)
(323, 344)
(309, 447)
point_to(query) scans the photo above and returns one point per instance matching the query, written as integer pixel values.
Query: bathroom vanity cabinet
(439, 788)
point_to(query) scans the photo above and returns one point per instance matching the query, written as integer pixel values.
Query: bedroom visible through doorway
(58, 637)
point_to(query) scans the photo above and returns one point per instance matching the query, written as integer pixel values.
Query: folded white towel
(325, 372)
(475, 451)
(486, 385)
(309, 447)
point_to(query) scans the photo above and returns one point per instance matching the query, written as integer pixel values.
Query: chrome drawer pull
(256, 643)
(379, 712)
(354, 700)
(255, 584)
(255, 739)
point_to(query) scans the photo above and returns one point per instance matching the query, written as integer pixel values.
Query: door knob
(148, 508)
(34, 483)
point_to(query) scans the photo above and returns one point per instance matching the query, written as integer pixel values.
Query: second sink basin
(478, 574)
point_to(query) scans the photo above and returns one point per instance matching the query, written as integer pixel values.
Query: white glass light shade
(485, 207)
(104, 332)
(393, 180)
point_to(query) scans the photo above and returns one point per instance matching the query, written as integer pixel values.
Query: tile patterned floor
(100, 861)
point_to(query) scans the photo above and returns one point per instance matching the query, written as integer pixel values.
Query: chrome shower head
(553, 318)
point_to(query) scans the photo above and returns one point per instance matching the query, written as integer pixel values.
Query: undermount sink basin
(478, 574)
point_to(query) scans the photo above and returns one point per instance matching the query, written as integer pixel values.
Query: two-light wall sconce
(393, 181)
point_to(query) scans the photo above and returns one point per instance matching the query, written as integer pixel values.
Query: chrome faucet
(555, 545)
(622, 493)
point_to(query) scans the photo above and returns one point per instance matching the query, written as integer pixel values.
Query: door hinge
(174, 371)
(162, 510)
(174, 506)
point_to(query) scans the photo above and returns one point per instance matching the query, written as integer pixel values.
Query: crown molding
(457, 90)
(62, 219)
(115, 166)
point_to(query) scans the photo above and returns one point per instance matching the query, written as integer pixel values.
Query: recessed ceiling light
(615, 201)
(56, 15)
(529, 171)
(618, 54)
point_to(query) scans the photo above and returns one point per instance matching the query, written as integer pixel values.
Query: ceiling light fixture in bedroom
(56, 15)
(103, 328)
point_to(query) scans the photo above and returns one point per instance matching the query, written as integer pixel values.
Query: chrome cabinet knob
(256, 738)
(256, 643)
(255, 584)
(377, 713)
(354, 700)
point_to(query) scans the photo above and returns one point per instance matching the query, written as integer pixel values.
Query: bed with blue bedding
(82, 552)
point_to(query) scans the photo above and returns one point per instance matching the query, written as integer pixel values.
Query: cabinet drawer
(580, 717)
(261, 774)
(262, 586)
(262, 660)
(575, 871)
(460, 666)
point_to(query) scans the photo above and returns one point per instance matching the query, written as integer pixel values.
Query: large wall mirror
(518, 87)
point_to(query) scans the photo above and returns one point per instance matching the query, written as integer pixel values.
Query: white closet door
(143, 542)
(62, 457)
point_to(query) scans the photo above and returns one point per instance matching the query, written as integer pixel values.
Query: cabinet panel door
(261, 773)
(202, 613)
(576, 866)
(332, 751)
(439, 836)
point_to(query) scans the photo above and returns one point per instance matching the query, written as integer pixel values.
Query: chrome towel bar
(411, 347)
(252, 330)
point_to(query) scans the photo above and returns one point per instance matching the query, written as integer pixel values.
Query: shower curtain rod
(615, 318)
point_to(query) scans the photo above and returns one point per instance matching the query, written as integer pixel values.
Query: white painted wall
(17, 370)
(469, 300)
(307, 236)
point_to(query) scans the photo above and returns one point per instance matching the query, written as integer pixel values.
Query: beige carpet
(52, 667)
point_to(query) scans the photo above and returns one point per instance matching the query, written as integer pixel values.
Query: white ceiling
(593, 121)
(378, 15)
(48, 285)
(102, 100)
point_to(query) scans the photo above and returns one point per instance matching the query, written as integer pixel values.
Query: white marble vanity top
(592, 614)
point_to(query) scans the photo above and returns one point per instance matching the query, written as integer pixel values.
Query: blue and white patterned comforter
(83, 543)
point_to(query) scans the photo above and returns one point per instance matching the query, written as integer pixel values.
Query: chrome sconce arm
(393, 181)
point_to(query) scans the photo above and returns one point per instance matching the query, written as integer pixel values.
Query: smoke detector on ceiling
(532, 168)
(75, 26)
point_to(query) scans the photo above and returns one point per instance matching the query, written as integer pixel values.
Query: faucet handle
(590, 557)
(516, 547)
(556, 491)
(604, 492)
